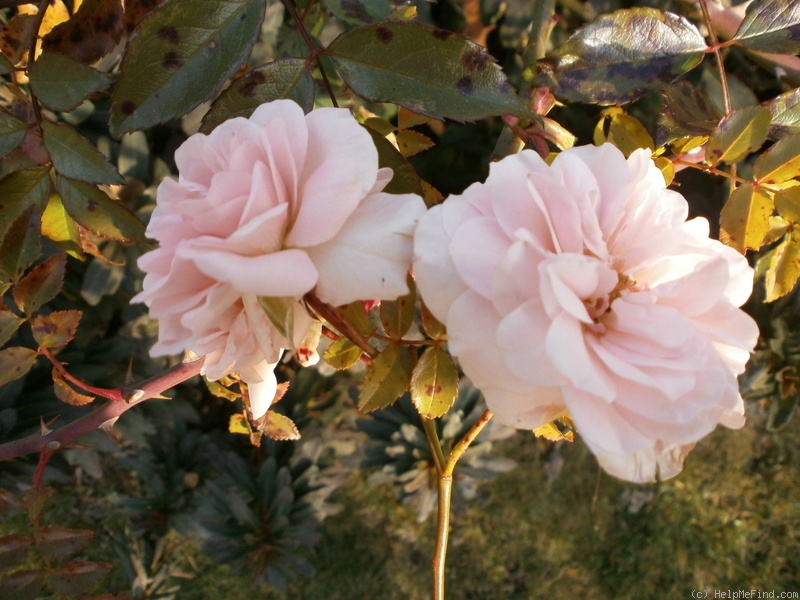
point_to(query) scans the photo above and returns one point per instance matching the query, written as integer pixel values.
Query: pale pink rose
(276, 205)
(580, 288)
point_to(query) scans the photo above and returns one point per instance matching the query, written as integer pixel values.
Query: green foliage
(62, 84)
(771, 26)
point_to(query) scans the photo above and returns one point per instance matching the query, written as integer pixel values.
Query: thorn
(108, 427)
(134, 396)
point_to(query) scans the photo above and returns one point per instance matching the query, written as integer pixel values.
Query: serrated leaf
(342, 354)
(56, 543)
(431, 324)
(61, 84)
(13, 549)
(57, 329)
(23, 584)
(357, 317)
(405, 179)
(744, 220)
(91, 33)
(76, 157)
(15, 362)
(782, 268)
(398, 315)
(434, 383)
(60, 228)
(429, 71)
(66, 393)
(41, 284)
(784, 403)
(220, 391)
(280, 311)
(739, 133)
(771, 26)
(238, 424)
(21, 244)
(411, 143)
(285, 78)
(780, 163)
(98, 213)
(623, 131)
(12, 132)
(785, 111)
(9, 323)
(182, 53)
(386, 380)
(279, 427)
(360, 12)
(787, 203)
(20, 190)
(620, 56)
(77, 576)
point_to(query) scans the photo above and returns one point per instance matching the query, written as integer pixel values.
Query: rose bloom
(580, 289)
(276, 205)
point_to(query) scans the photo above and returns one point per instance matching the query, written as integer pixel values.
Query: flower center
(598, 305)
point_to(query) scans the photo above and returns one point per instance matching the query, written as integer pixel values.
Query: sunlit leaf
(15, 362)
(41, 284)
(21, 244)
(279, 427)
(411, 143)
(429, 71)
(620, 56)
(181, 55)
(781, 162)
(98, 213)
(19, 191)
(9, 323)
(434, 383)
(76, 157)
(552, 433)
(61, 83)
(398, 315)
(782, 268)
(785, 111)
(739, 133)
(623, 131)
(56, 542)
(91, 33)
(15, 36)
(12, 132)
(60, 228)
(286, 78)
(787, 203)
(405, 179)
(431, 324)
(56, 329)
(744, 220)
(220, 391)
(238, 424)
(360, 12)
(771, 26)
(77, 576)
(778, 226)
(387, 378)
(342, 354)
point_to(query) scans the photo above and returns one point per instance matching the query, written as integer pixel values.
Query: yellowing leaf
(782, 268)
(15, 362)
(238, 424)
(386, 380)
(787, 203)
(434, 383)
(551, 432)
(9, 323)
(342, 354)
(66, 394)
(57, 329)
(279, 427)
(780, 163)
(739, 133)
(398, 315)
(221, 391)
(431, 324)
(744, 220)
(623, 131)
(41, 284)
(60, 228)
(411, 142)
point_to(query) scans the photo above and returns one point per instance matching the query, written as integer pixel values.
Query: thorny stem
(133, 394)
(110, 394)
(331, 316)
(312, 46)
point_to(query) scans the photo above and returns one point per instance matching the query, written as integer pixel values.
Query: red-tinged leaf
(744, 220)
(57, 543)
(35, 499)
(15, 362)
(342, 354)
(780, 163)
(21, 190)
(398, 315)
(91, 33)
(386, 380)
(78, 576)
(434, 383)
(23, 585)
(13, 549)
(21, 244)
(66, 394)
(9, 323)
(771, 26)
(41, 284)
(57, 329)
(739, 133)
(279, 427)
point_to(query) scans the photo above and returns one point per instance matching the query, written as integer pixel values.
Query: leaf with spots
(98, 213)
(21, 190)
(15, 362)
(92, 32)
(781, 268)
(785, 110)
(181, 55)
(342, 354)
(739, 133)
(430, 71)
(41, 284)
(21, 245)
(136, 10)
(57, 329)
(286, 78)
(386, 380)
(411, 143)
(434, 383)
(61, 83)
(771, 26)
(781, 162)
(744, 220)
(76, 157)
(360, 12)
(621, 56)
(279, 427)
(12, 132)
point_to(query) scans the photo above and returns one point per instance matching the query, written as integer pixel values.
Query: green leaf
(688, 112)
(286, 78)
(405, 179)
(98, 213)
(41, 284)
(5, 66)
(621, 56)
(739, 133)
(360, 12)
(23, 584)
(429, 71)
(181, 54)
(781, 162)
(434, 383)
(386, 380)
(60, 228)
(66, 394)
(15, 362)
(782, 268)
(57, 329)
(342, 354)
(62, 84)
(75, 157)
(21, 244)
(56, 543)
(281, 314)
(77, 576)
(744, 220)
(12, 132)
(771, 26)
(9, 323)
(398, 315)
(279, 427)
(785, 111)
(784, 403)
(13, 549)
(21, 190)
